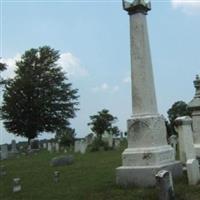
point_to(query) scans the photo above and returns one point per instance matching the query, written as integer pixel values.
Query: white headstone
(13, 147)
(49, 148)
(17, 185)
(77, 146)
(57, 147)
(173, 142)
(4, 152)
(193, 173)
(44, 145)
(80, 146)
(83, 147)
(188, 154)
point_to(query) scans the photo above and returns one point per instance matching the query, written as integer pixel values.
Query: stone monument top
(195, 103)
(137, 6)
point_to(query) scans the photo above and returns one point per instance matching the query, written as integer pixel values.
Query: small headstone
(83, 146)
(49, 147)
(57, 147)
(62, 161)
(13, 147)
(2, 170)
(193, 173)
(117, 142)
(4, 152)
(165, 185)
(44, 145)
(16, 185)
(173, 142)
(56, 176)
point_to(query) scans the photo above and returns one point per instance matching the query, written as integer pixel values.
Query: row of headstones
(52, 146)
(187, 154)
(4, 150)
(81, 145)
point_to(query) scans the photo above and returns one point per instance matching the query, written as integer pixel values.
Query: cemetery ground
(90, 177)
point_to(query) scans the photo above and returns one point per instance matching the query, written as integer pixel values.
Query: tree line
(40, 99)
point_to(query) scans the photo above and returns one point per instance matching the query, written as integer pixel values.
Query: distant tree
(178, 109)
(115, 131)
(101, 122)
(39, 98)
(66, 136)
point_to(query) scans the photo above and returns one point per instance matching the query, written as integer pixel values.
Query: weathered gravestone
(165, 185)
(173, 142)
(14, 147)
(62, 161)
(80, 146)
(49, 147)
(108, 138)
(4, 152)
(2, 170)
(117, 142)
(17, 185)
(57, 147)
(56, 176)
(187, 151)
(148, 151)
(44, 145)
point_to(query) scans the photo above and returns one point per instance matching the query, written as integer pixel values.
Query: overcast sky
(93, 39)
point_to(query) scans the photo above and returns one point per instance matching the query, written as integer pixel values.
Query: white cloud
(187, 6)
(67, 61)
(127, 79)
(10, 71)
(104, 87)
(72, 65)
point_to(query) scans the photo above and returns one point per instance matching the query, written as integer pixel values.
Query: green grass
(91, 177)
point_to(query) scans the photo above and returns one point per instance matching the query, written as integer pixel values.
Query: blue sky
(93, 39)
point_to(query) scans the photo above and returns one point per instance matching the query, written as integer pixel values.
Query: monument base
(147, 152)
(144, 176)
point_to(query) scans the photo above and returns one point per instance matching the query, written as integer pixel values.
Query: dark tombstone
(62, 161)
(165, 185)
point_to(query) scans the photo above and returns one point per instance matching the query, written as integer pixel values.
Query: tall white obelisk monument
(148, 151)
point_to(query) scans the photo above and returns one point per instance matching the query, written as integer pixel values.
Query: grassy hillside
(91, 177)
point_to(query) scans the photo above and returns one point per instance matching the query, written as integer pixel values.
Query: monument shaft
(143, 90)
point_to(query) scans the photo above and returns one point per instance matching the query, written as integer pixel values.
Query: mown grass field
(91, 177)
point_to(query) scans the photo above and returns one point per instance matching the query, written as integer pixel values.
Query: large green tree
(178, 109)
(39, 98)
(103, 121)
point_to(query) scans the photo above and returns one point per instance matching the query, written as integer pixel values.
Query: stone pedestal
(148, 151)
(194, 107)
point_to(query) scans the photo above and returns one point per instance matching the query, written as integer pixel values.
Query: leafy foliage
(178, 109)
(66, 136)
(102, 122)
(38, 98)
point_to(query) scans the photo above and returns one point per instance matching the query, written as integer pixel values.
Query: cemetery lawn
(91, 177)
